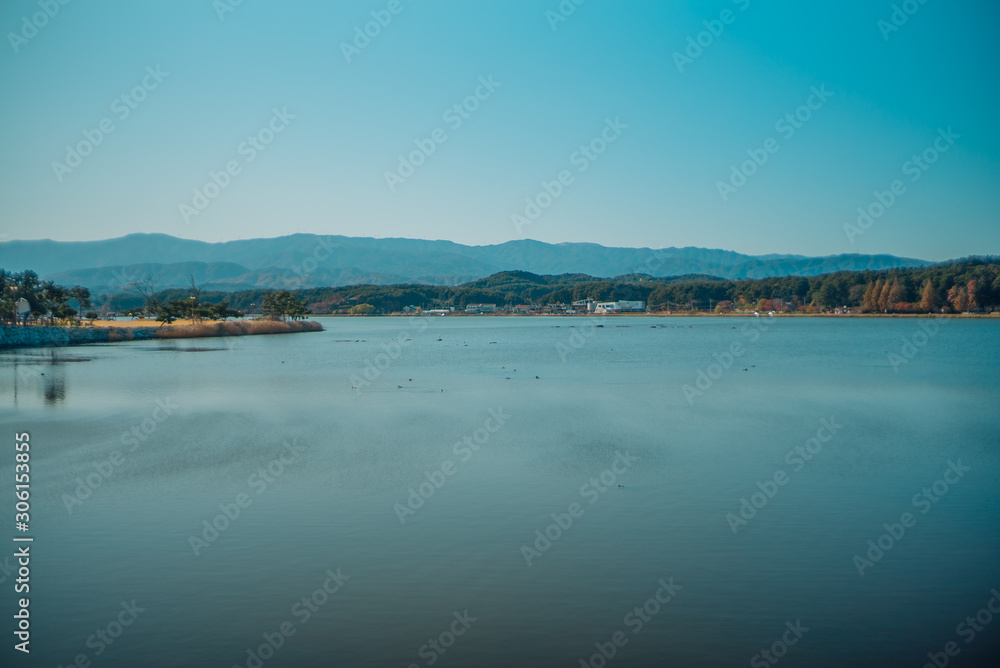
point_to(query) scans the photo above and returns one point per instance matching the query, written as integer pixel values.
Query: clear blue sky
(656, 185)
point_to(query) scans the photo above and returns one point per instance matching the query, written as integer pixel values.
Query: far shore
(661, 315)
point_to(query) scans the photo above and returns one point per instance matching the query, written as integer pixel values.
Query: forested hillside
(966, 285)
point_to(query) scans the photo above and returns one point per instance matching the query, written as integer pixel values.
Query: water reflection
(38, 373)
(55, 384)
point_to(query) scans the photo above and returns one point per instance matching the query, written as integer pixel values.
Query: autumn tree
(972, 290)
(895, 293)
(929, 301)
(868, 300)
(959, 298)
(884, 302)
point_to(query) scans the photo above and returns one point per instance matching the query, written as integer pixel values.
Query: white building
(481, 308)
(632, 305)
(621, 306)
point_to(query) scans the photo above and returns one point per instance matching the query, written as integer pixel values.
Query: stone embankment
(35, 336)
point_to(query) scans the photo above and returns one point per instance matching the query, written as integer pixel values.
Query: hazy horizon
(294, 120)
(557, 243)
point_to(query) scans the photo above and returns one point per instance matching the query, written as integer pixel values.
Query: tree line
(46, 300)
(167, 306)
(969, 285)
(52, 303)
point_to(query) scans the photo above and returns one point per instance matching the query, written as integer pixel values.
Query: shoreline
(969, 316)
(38, 336)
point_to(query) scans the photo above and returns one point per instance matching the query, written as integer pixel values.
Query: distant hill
(307, 260)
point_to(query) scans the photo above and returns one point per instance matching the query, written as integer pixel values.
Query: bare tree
(145, 289)
(195, 290)
(194, 299)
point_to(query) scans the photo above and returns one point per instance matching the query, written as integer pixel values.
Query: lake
(502, 491)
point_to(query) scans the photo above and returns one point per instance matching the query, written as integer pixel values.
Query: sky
(862, 126)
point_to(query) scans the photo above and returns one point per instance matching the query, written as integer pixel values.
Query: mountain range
(308, 260)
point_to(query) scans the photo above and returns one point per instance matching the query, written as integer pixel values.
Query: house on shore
(621, 306)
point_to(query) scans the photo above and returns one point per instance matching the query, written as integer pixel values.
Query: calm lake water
(136, 446)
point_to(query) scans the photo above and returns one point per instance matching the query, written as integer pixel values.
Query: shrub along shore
(16, 336)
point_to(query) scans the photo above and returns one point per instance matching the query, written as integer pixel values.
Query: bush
(362, 309)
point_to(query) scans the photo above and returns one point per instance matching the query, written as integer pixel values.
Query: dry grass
(123, 324)
(120, 335)
(129, 324)
(236, 328)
